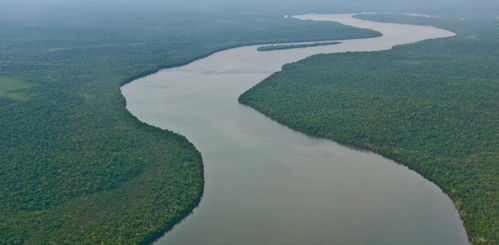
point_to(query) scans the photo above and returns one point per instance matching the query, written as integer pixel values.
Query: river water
(267, 184)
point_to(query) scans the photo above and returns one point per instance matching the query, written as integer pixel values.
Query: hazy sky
(33, 9)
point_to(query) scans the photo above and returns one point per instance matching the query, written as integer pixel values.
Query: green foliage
(9, 87)
(433, 106)
(10, 83)
(292, 46)
(75, 166)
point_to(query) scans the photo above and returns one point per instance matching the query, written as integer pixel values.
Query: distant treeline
(292, 46)
(433, 106)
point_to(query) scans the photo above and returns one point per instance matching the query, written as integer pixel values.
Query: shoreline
(157, 235)
(347, 144)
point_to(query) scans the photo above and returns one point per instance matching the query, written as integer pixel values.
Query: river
(268, 184)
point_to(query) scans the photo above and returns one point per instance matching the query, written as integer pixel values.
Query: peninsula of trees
(432, 106)
(297, 45)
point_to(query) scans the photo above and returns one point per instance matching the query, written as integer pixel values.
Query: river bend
(268, 184)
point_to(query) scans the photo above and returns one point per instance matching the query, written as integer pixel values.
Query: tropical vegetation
(296, 45)
(75, 166)
(432, 106)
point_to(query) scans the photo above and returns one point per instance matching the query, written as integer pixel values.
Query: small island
(295, 45)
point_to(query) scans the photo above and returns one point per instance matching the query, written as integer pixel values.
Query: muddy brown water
(268, 184)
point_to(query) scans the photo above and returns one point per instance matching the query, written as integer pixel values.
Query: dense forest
(75, 166)
(433, 106)
(295, 45)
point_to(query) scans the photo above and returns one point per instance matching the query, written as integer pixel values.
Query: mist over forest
(97, 12)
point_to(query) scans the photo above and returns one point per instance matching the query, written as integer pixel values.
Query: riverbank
(76, 166)
(411, 104)
(254, 167)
